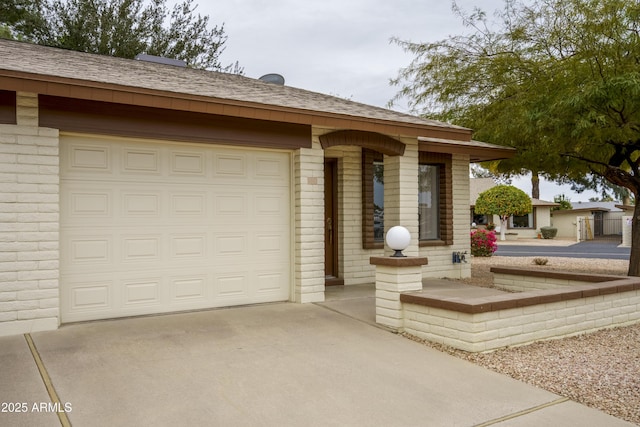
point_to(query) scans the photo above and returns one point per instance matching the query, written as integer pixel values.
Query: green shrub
(548, 232)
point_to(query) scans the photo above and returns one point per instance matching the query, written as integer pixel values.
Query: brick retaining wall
(526, 280)
(492, 322)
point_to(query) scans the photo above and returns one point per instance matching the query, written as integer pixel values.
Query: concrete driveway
(273, 365)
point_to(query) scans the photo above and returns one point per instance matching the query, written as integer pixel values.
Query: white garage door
(151, 227)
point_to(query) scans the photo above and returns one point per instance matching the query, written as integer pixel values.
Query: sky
(342, 47)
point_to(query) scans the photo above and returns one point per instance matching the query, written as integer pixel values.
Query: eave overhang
(136, 96)
(477, 151)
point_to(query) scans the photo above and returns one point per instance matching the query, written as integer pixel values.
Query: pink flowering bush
(483, 243)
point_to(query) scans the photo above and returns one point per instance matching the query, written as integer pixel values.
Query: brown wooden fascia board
(477, 154)
(96, 91)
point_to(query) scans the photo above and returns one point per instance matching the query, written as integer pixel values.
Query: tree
(563, 201)
(23, 19)
(477, 171)
(504, 201)
(557, 79)
(122, 28)
(606, 189)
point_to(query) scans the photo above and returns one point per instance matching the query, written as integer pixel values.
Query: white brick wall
(29, 221)
(309, 223)
(354, 260)
(390, 282)
(517, 326)
(401, 194)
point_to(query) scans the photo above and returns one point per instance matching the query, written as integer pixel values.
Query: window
(378, 201)
(435, 201)
(522, 221)
(479, 219)
(372, 199)
(429, 202)
(8, 107)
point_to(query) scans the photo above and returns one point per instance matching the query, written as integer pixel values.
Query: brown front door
(331, 223)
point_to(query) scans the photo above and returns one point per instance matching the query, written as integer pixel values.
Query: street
(589, 249)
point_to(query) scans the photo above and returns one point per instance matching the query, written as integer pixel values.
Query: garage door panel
(94, 295)
(268, 245)
(271, 170)
(187, 163)
(230, 204)
(143, 291)
(154, 251)
(269, 282)
(153, 228)
(187, 204)
(270, 208)
(141, 249)
(188, 246)
(188, 289)
(79, 202)
(138, 203)
(230, 166)
(139, 161)
(231, 285)
(89, 250)
(93, 158)
(231, 245)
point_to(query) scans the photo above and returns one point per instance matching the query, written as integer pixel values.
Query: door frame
(331, 223)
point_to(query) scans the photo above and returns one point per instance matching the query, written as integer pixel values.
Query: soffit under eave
(476, 154)
(489, 157)
(56, 86)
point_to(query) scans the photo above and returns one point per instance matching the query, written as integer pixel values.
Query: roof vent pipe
(276, 79)
(161, 60)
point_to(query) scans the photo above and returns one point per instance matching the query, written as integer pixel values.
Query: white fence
(598, 228)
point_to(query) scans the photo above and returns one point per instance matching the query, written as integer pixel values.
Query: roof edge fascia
(486, 153)
(106, 92)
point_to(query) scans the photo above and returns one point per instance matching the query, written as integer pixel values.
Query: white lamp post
(398, 238)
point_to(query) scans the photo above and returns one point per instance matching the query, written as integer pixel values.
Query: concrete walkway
(273, 365)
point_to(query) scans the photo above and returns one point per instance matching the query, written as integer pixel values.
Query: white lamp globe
(398, 238)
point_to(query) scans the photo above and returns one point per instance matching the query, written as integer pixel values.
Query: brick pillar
(309, 224)
(394, 276)
(29, 222)
(401, 194)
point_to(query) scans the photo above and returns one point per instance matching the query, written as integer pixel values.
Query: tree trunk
(503, 227)
(535, 185)
(634, 258)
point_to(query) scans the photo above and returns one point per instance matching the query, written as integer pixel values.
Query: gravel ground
(600, 369)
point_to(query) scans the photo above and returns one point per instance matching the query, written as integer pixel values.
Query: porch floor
(359, 301)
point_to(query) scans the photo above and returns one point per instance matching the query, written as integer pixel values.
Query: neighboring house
(131, 188)
(605, 220)
(525, 226)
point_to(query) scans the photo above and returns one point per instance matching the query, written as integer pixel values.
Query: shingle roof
(64, 64)
(603, 206)
(538, 202)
